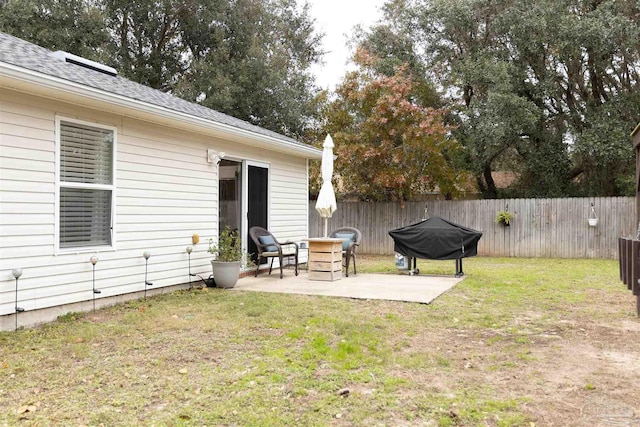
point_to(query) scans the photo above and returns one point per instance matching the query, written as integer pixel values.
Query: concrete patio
(393, 287)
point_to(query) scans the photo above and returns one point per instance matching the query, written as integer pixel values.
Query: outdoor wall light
(17, 272)
(94, 261)
(214, 156)
(146, 256)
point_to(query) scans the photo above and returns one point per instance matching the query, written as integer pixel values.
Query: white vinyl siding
(289, 199)
(166, 191)
(86, 184)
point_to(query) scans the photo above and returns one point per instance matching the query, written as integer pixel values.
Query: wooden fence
(541, 228)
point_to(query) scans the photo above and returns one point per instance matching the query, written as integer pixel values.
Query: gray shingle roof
(27, 55)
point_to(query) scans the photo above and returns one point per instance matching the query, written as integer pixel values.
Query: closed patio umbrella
(326, 204)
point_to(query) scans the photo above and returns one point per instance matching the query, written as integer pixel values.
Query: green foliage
(547, 89)
(603, 147)
(71, 316)
(74, 26)
(254, 63)
(250, 59)
(504, 217)
(394, 49)
(148, 43)
(229, 246)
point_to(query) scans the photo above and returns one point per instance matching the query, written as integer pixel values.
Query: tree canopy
(545, 88)
(75, 26)
(388, 146)
(247, 58)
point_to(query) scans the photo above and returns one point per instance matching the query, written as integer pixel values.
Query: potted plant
(504, 218)
(227, 258)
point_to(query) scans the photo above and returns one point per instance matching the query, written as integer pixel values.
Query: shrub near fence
(541, 228)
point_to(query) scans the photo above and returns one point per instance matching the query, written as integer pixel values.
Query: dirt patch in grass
(540, 343)
(578, 377)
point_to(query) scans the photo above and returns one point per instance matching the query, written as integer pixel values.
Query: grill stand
(415, 271)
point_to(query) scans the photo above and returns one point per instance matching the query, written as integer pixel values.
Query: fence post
(635, 265)
(635, 261)
(620, 255)
(629, 264)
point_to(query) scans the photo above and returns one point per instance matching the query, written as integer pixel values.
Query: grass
(214, 357)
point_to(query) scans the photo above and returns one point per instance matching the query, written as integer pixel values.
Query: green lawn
(492, 351)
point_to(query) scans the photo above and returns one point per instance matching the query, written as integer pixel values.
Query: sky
(336, 19)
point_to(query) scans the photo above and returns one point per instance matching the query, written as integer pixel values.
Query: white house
(92, 164)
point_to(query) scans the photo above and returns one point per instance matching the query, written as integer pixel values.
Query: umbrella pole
(325, 226)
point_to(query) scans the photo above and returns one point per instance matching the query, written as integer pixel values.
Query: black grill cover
(436, 238)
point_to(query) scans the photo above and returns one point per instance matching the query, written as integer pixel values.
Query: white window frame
(59, 184)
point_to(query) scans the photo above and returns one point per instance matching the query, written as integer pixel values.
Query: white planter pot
(593, 222)
(225, 274)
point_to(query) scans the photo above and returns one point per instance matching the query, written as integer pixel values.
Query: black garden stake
(17, 272)
(94, 261)
(146, 256)
(189, 250)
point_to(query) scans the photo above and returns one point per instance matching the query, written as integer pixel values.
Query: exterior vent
(83, 62)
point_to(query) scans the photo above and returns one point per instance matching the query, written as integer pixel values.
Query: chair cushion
(347, 238)
(268, 240)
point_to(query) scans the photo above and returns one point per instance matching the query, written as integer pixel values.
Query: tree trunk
(491, 190)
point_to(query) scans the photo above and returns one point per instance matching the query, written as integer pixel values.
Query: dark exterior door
(257, 203)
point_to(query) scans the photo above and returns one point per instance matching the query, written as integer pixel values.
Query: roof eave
(32, 81)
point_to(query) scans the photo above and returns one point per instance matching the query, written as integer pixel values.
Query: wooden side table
(325, 259)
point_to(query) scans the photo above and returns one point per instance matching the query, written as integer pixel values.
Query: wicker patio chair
(269, 247)
(352, 238)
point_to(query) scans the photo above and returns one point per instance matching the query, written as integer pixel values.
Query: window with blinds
(86, 185)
